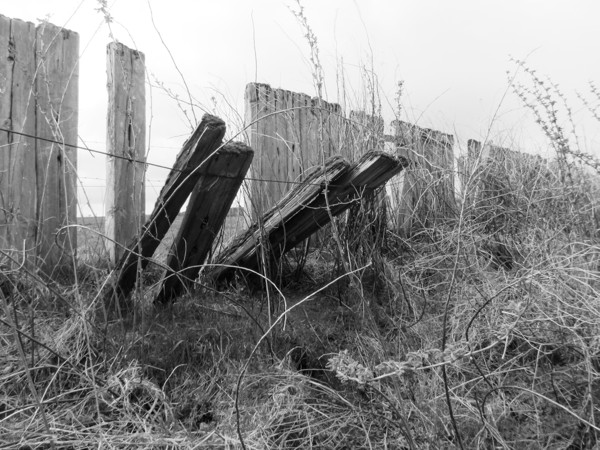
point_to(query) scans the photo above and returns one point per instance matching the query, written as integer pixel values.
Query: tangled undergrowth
(479, 331)
(495, 312)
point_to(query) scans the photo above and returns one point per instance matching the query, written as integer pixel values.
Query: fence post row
(39, 76)
(126, 140)
(290, 133)
(287, 135)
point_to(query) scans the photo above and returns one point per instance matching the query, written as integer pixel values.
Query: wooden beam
(57, 90)
(184, 175)
(17, 153)
(207, 209)
(326, 192)
(126, 138)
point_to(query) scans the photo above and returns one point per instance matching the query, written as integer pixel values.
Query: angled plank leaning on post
(204, 141)
(244, 250)
(207, 210)
(306, 208)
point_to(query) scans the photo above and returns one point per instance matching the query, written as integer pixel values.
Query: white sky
(452, 56)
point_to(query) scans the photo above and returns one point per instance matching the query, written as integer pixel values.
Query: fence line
(290, 133)
(100, 152)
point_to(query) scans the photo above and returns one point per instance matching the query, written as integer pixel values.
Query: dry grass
(480, 332)
(350, 369)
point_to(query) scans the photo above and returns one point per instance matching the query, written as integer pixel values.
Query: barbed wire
(91, 150)
(101, 152)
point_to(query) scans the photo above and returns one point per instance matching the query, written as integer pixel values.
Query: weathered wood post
(39, 83)
(364, 133)
(126, 139)
(427, 195)
(196, 151)
(501, 179)
(18, 191)
(289, 134)
(57, 86)
(207, 209)
(467, 166)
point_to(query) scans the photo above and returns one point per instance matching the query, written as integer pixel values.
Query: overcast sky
(453, 57)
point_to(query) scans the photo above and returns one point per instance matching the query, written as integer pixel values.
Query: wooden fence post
(57, 85)
(126, 138)
(365, 133)
(287, 137)
(207, 209)
(427, 195)
(467, 165)
(17, 153)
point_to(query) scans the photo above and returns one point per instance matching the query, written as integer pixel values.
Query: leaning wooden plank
(209, 204)
(243, 250)
(299, 215)
(181, 180)
(370, 172)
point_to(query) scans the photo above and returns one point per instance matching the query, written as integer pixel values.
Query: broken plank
(209, 204)
(245, 249)
(307, 208)
(205, 140)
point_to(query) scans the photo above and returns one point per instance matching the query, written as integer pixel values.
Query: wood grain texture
(204, 141)
(57, 80)
(427, 196)
(304, 210)
(6, 70)
(126, 138)
(17, 153)
(290, 133)
(207, 209)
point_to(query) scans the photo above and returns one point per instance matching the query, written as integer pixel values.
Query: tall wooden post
(17, 153)
(57, 86)
(126, 140)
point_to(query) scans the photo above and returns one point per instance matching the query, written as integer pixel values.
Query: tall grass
(477, 331)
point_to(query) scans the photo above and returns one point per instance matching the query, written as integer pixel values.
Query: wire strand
(91, 150)
(263, 180)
